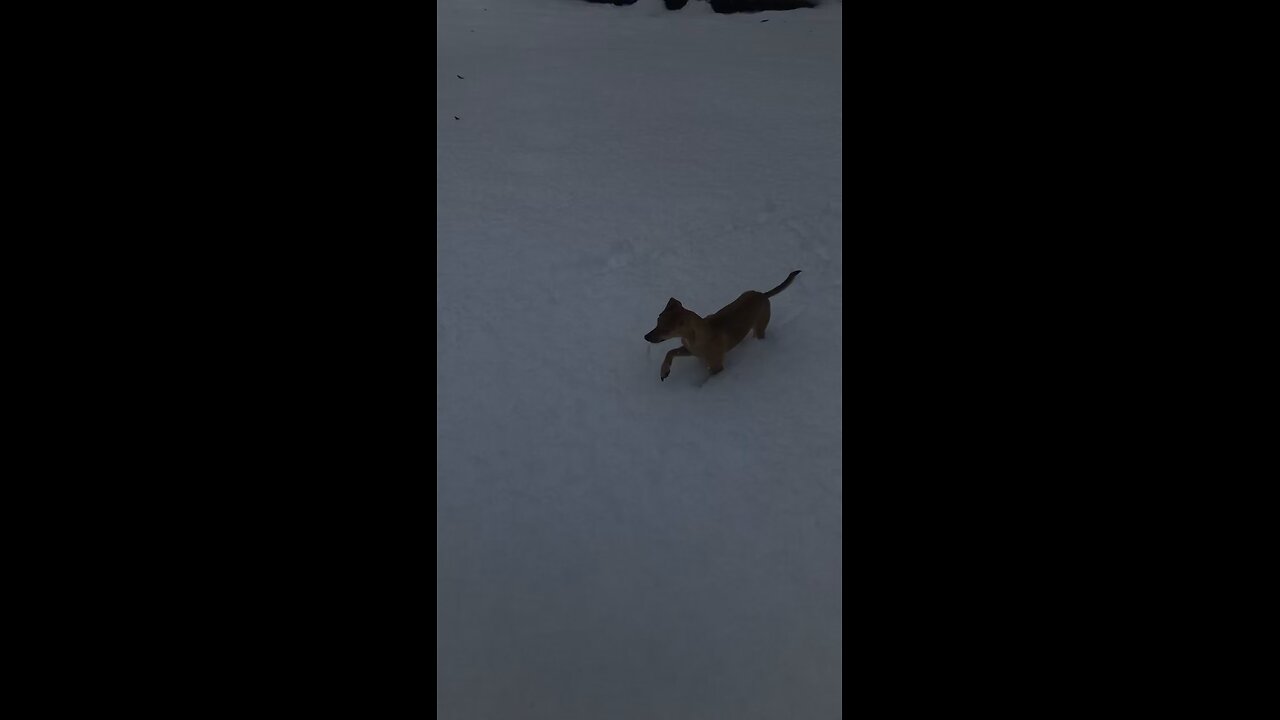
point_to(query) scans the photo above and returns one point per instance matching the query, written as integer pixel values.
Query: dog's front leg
(666, 363)
(710, 375)
(715, 362)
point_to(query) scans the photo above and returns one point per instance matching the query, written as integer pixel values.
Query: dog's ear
(673, 303)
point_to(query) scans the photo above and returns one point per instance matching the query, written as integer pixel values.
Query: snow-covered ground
(607, 545)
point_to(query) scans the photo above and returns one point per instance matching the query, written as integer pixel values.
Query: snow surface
(607, 545)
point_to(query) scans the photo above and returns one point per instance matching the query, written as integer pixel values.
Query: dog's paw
(665, 372)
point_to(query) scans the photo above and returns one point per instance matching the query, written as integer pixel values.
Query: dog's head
(669, 322)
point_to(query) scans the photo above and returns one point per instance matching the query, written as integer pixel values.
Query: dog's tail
(784, 284)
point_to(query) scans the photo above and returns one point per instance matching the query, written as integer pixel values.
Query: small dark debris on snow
(461, 78)
(765, 20)
(735, 6)
(455, 117)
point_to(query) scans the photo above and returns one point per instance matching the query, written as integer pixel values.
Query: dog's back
(733, 321)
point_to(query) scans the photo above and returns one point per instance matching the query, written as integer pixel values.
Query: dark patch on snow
(736, 6)
(728, 6)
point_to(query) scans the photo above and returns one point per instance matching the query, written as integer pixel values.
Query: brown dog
(709, 338)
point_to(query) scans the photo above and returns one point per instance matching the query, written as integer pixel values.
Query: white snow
(609, 546)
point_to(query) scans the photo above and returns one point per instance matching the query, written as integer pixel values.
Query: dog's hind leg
(762, 320)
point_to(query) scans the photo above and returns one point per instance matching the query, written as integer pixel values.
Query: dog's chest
(693, 346)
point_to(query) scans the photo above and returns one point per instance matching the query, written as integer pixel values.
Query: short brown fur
(710, 338)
